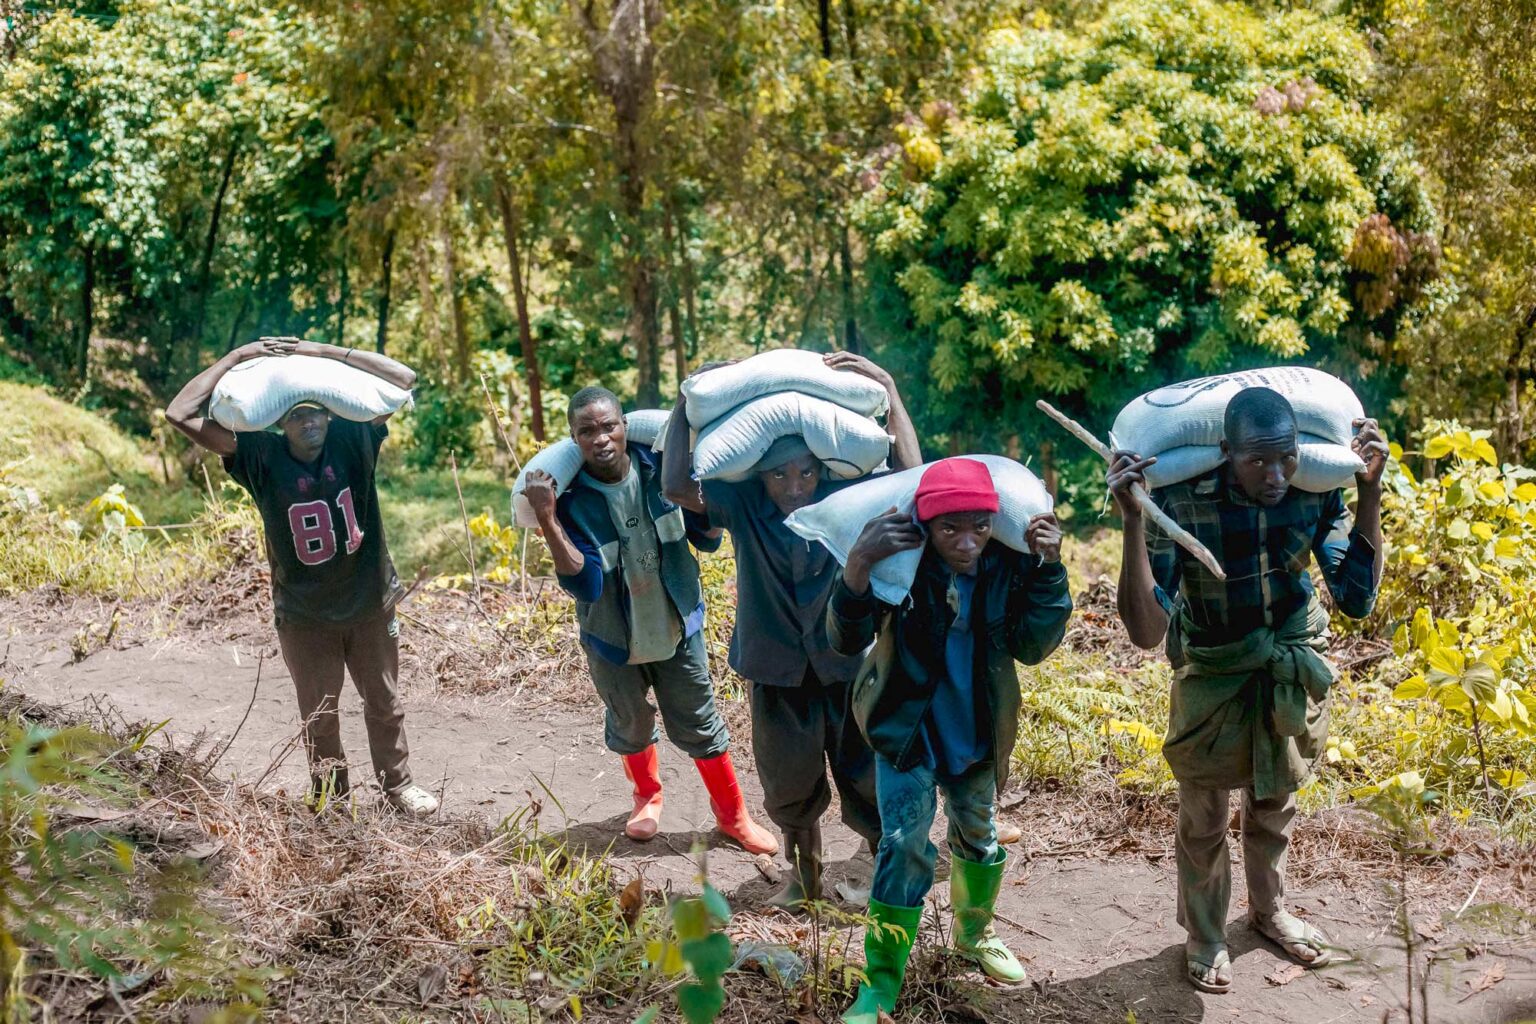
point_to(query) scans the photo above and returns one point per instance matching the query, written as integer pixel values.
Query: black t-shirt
(325, 540)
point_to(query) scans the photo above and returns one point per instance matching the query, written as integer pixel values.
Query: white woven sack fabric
(1191, 413)
(562, 460)
(714, 395)
(837, 520)
(848, 444)
(1322, 465)
(254, 394)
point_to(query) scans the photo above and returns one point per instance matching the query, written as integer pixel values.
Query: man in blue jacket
(801, 730)
(622, 550)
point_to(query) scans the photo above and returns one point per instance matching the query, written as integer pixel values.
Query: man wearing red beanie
(938, 698)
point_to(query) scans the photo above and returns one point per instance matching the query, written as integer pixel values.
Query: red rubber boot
(730, 808)
(645, 775)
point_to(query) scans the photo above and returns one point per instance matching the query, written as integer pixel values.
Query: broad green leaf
(690, 919)
(1483, 450)
(1448, 660)
(648, 1015)
(1493, 490)
(1482, 530)
(1508, 778)
(710, 958)
(1480, 682)
(716, 904)
(1458, 530)
(700, 1004)
(1439, 447)
(1525, 492)
(1411, 688)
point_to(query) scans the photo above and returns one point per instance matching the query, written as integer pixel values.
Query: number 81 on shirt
(314, 532)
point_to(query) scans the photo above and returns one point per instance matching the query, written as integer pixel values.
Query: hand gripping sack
(1322, 465)
(714, 395)
(1191, 413)
(848, 444)
(562, 460)
(837, 520)
(255, 394)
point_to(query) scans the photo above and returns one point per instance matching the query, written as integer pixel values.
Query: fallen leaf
(631, 900)
(431, 982)
(85, 813)
(1285, 974)
(768, 869)
(884, 1018)
(1489, 978)
(202, 851)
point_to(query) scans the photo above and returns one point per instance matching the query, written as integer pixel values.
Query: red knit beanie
(955, 485)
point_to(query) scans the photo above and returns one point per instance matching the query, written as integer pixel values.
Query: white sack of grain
(719, 392)
(562, 460)
(847, 443)
(255, 394)
(838, 519)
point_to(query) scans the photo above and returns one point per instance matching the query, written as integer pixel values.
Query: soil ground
(1089, 898)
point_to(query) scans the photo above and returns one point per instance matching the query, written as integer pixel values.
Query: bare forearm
(905, 451)
(376, 363)
(1136, 597)
(677, 481)
(567, 557)
(1368, 523)
(189, 401)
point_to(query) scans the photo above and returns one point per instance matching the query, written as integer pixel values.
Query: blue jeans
(908, 802)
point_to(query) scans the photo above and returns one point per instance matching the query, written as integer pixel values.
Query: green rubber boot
(973, 890)
(886, 950)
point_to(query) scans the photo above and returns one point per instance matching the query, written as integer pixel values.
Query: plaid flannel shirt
(1265, 552)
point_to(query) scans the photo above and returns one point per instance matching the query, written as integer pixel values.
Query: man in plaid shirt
(1249, 704)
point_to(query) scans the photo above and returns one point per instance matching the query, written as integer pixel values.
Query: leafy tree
(1461, 77)
(1176, 187)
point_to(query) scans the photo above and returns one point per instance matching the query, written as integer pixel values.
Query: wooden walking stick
(1181, 536)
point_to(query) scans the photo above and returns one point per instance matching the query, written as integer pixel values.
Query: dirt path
(1097, 930)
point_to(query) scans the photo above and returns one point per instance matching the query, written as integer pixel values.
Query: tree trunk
(343, 298)
(205, 265)
(850, 323)
(851, 31)
(690, 310)
(1511, 424)
(510, 227)
(624, 52)
(427, 298)
(455, 299)
(386, 278)
(674, 311)
(87, 313)
(239, 321)
(824, 26)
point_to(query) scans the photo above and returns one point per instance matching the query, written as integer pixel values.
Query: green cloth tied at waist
(1252, 712)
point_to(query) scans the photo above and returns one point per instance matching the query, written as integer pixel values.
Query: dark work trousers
(318, 658)
(798, 732)
(681, 687)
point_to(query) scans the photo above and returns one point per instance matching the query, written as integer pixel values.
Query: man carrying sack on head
(334, 587)
(938, 698)
(800, 686)
(622, 550)
(1249, 706)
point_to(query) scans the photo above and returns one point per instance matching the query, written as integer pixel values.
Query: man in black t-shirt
(334, 588)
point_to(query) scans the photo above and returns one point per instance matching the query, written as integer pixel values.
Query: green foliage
(1459, 597)
(1174, 187)
(446, 419)
(72, 891)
